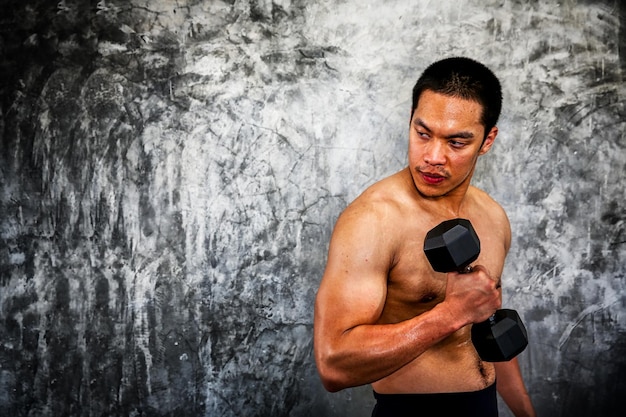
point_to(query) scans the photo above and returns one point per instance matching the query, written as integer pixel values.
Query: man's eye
(457, 144)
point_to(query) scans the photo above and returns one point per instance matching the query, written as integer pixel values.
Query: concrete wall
(171, 171)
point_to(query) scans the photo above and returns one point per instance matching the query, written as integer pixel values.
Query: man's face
(445, 140)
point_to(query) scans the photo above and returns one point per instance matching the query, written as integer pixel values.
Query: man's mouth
(432, 178)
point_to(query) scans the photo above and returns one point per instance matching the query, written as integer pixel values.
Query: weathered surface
(171, 170)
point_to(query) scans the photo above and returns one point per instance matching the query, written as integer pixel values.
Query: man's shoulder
(381, 204)
(485, 201)
(386, 194)
(486, 207)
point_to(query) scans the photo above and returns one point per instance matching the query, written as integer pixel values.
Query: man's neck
(450, 204)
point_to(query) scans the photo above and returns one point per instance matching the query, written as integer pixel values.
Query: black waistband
(481, 403)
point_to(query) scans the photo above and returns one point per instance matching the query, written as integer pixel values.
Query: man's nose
(435, 152)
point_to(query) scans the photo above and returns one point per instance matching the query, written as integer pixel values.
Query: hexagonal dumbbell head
(452, 245)
(501, 338)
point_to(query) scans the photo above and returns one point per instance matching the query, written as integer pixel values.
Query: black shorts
(481, 403)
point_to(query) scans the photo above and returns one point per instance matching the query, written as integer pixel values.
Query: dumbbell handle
(509, 347)
(467, 270)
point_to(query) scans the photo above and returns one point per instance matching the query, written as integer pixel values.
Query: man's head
(463, 78)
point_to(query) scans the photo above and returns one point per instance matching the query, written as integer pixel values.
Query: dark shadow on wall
(596, 387)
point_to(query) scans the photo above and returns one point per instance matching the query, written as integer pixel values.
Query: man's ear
(488, 142)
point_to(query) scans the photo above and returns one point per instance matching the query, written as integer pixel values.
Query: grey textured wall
(171, 171)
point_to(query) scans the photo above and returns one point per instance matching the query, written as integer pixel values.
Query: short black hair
(463, 78)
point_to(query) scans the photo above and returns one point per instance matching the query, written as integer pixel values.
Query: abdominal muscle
(452, 365)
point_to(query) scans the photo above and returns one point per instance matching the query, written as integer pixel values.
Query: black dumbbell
(452, 246)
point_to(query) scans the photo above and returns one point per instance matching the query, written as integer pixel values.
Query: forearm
(368, 353)
(511, 388)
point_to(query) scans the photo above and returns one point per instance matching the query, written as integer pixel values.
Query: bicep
(354, 285)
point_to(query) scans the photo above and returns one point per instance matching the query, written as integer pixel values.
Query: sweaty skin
(383, 316)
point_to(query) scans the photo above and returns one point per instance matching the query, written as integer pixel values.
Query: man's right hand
(473, 295)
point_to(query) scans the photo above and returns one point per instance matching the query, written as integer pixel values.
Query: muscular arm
(511, 388)
(351, 348)
(365, 353)
(509, 381)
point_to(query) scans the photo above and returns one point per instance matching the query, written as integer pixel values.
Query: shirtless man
(382, 315)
